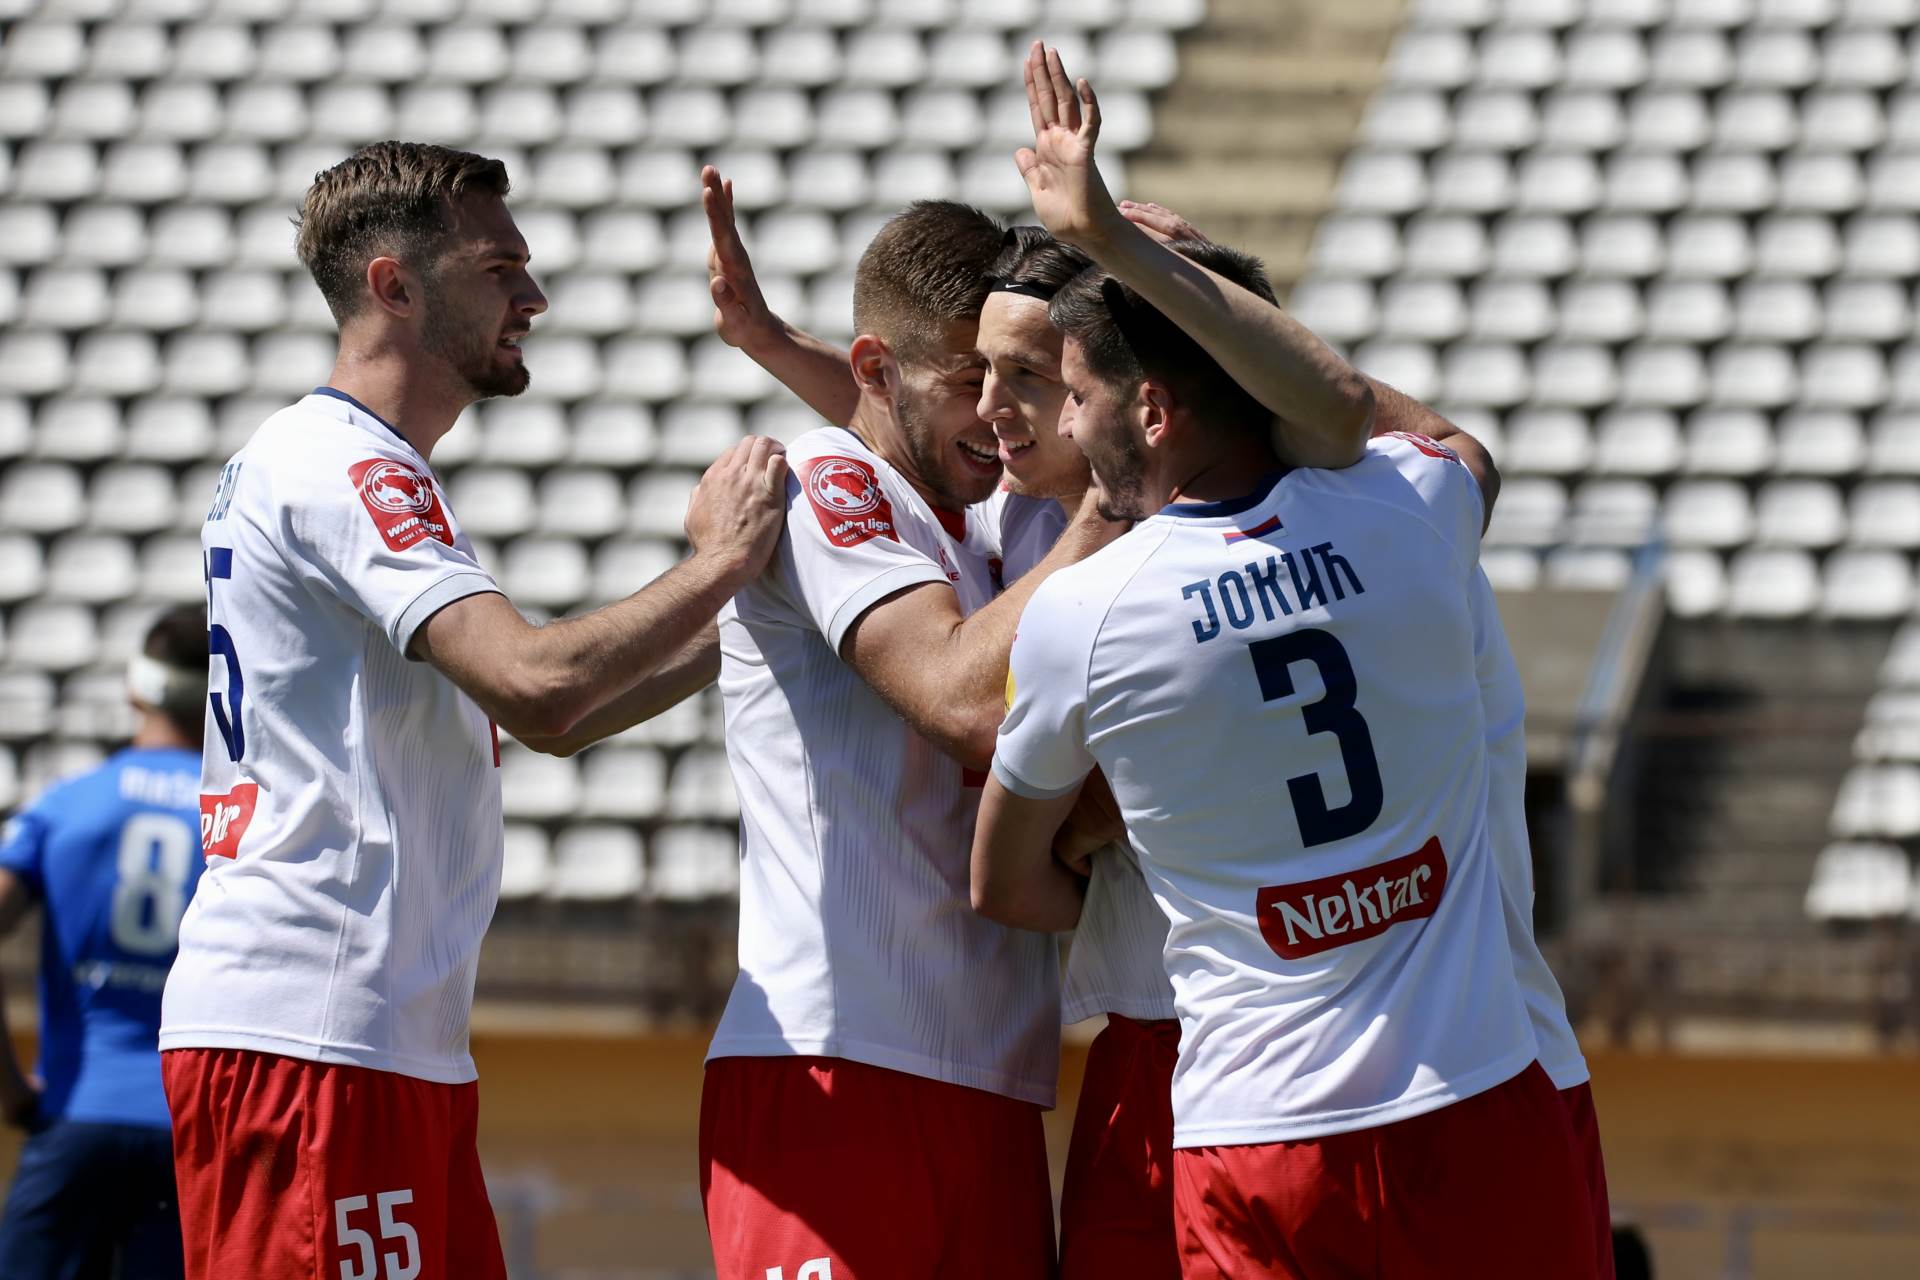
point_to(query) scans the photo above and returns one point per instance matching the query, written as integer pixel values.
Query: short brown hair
(386, 198)
(927, 270)
(1031, 257)
(1125, 340)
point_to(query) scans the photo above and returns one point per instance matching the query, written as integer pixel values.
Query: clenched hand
(739, 506)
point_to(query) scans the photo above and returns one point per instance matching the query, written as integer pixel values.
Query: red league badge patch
(1427, 445)
(846, 495)
(403, 503)
(224, 819)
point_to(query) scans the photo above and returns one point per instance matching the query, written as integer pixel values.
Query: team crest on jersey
(403, 503)
(224, 819)
(847, 498)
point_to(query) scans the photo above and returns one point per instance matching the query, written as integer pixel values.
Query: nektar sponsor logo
(1304, 919)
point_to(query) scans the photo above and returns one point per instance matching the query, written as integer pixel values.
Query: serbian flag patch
(403, 503)
(846, 497)
(224, 819)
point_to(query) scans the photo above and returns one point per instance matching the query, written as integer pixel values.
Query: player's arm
(1092, 825)
(686, 673)
(944, 672)
(815, 370)
(539, 682)
(1401, 412)
(1016, 879)
(1394, 410)
(1040, 771)
(1325, 407)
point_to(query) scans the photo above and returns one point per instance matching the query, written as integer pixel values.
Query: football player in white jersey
(1357, 1092)
(314, 1027)
(1503, 701)
(863, 681)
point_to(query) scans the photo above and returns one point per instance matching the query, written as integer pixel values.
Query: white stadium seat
(550, 573)
(526, 865)
(694, 862)
(78, 428)
(1772, 583)
(1696, 583)
(1439, 244)
(1860, 880)
(1885, 513)
(1621, 245)
(1530, 513)
(1546, 441)
(622, 782)
(1867, 586)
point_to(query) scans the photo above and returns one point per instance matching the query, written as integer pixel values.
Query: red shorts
(1586, 1134)
(1489, 1188)
(296, 1170)
(825, 1169)
(1116, 1209)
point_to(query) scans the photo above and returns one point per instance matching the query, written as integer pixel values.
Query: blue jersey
(113, 856)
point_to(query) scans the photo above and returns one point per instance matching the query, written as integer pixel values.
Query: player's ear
(392, 286)
(874, 368)
(1153, 409)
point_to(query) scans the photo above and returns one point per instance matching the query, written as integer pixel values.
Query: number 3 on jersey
(226, 712)
(1336, 714)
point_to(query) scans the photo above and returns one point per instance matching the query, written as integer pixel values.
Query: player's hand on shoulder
(739, 507)
(1160, 222)
(740, 313)
(1068, 192)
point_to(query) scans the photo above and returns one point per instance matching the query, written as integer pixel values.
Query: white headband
(156, 684)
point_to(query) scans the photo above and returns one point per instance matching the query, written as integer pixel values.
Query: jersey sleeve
(1042, 750)
(1442, 485)
(842, 552)
(23, 842)
(373, 530)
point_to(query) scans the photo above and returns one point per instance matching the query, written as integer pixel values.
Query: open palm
(1068, 193)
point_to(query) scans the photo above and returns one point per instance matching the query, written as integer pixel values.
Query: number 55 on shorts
(352, 1239)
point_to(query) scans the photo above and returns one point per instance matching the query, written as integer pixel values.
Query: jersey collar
(1226, 506)
(337, 394)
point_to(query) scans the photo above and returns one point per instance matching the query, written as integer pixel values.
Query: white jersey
(1282, 693)
(350, 806)
(1504, 702)
(857, 935)
(1115, 964)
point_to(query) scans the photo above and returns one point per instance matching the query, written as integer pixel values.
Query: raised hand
(1160, 222)
(740, 505)
(1068, 192)
(740, 314)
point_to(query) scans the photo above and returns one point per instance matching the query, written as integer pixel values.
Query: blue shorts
(90, 1202)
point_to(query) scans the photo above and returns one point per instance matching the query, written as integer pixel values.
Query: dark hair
(386, 198)
(1033, 258)
(178, 638)
(1125, 340)
(927, 270)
